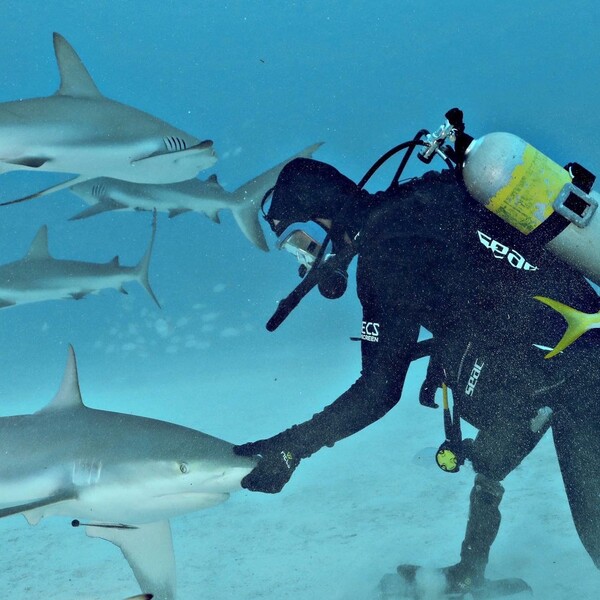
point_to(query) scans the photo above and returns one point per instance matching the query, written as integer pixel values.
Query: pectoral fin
(80, 295)
(96, 209)
(175, 212)
(36, 505)
(149, 552)
(49, 190)
(213, 215)
(27, 162)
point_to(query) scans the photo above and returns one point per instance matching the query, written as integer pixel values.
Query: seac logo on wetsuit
(501, 251)
(369, 331)
(475, 373)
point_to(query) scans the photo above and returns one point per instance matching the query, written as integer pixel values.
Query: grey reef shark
(120, 476)
(78, 130)
(38, 276)
(208, 197)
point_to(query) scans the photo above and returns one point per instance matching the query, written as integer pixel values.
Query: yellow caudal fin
(577, 323)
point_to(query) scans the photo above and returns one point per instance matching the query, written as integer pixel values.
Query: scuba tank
(551, 205)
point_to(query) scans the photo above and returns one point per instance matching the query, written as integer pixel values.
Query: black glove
(433, 381)
(427, 394)
(276, 465)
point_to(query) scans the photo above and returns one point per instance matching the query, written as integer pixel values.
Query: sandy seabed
(349, 515)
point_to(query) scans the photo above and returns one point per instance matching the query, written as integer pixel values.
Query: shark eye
(183, 467)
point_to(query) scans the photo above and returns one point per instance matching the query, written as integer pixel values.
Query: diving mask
(304, 241)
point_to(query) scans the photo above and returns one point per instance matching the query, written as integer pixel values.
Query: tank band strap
(557, 223)
(546, 231)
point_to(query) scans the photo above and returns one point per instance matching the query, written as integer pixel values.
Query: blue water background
(263, 80)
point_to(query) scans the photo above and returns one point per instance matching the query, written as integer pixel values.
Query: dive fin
(578, 323)
(49, 190)
(149, 552)
(412, 582)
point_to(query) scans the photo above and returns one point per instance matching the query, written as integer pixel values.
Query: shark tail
(246, 216)
(249, 197)
(578, 323)
(142, 268)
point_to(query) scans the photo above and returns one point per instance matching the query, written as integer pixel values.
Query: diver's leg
(577, 439)
(482, 527)
(496, 451)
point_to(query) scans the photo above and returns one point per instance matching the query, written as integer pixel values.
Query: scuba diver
(430, 256)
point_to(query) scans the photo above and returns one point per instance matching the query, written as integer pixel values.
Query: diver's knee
(487, 486)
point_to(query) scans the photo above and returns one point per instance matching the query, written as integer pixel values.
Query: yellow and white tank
(524, 187)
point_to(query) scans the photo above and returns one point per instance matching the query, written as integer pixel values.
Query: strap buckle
(575, 205)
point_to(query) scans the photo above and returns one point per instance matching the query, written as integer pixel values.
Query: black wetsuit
(430, 256)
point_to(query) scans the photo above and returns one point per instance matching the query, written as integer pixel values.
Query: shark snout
(227, 481)
(219, 481)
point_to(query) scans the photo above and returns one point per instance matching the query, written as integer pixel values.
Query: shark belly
(41, 294)
(119, 506)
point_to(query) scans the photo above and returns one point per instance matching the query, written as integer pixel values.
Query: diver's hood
(308, 189)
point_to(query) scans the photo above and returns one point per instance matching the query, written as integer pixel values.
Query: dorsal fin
(68, 395)
(213, 179)
(74, 77)
(114, 262)
(39, 246)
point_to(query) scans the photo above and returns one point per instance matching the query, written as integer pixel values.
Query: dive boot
(456, 584)
(466, 578)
